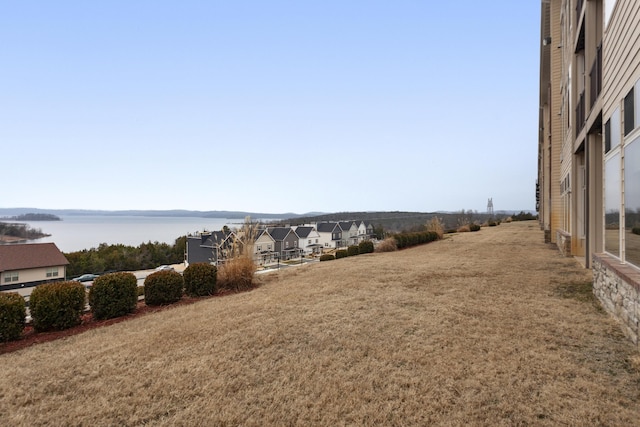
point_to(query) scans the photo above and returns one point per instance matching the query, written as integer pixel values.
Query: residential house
(365, 231)
(25, 266)
(286, 242)
(309, 241)
(349, 233)
(330, 234)
(210, 247)
(264, 248)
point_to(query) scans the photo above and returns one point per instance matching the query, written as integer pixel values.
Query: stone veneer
(617, 287)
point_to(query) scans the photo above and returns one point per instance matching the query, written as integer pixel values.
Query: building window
(632, 201)
(629, 115)
(11, 276)
(309, 241)
(286, 245)
(268, 247)
(612, 202)
(52, 272)
(614, 131)
(259, 248)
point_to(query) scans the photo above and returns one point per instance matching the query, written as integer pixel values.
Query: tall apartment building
(589, 144)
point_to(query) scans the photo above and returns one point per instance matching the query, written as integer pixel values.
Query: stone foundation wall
(563, 240)
(617, 287)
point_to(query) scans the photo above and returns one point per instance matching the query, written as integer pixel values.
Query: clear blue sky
(269, 106)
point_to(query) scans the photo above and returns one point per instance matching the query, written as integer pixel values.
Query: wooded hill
(398, 221)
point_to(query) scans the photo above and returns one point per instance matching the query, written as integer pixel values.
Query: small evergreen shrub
(57, 306)
(163, 287)
(474, 227)
(140, 291)
(341, 253)
(200, 279)
(12, 316)
(492, 223)
(327, 257)
(635, 230)
(366, 247)
(353, 250)
(113, 295)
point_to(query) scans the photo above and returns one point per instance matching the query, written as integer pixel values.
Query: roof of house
(326, 227)
(31, 255)
(216, 238)
(279, 233)
(303, 231)
(345, 225)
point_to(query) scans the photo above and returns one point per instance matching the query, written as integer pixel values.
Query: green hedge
(327, 257)
(405, 240)
(366, 247)
(57, 306)
(341, 253)
(474, 227)
(200, 279)
(163, 287)
(353, 250)
(12, 316)
(113, 295)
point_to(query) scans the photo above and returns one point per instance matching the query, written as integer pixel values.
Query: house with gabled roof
(349, 233)
(286, 242)
(25, 266)
(362, 232)
(309, 241)
(264, 248)
(210, 246)
(330, 234)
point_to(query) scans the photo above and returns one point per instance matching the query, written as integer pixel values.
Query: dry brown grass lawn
(487, 328)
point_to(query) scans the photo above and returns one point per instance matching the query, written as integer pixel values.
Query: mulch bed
(31, 337)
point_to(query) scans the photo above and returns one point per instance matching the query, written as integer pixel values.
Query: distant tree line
(34, 217)
(22, 231)
(108, 258)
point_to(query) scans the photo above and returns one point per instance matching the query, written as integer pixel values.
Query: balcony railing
(580, 114)
(595, 77)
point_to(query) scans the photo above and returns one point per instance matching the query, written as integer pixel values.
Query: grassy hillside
(486, 328)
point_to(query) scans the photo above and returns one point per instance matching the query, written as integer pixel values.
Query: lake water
(75, 233)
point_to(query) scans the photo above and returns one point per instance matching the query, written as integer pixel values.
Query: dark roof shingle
(31, 255)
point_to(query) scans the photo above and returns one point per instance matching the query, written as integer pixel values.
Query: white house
(309, 239)
(330, 234)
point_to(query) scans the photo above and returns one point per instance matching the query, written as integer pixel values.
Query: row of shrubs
(365, 247)
(60, 305)
(405, 240)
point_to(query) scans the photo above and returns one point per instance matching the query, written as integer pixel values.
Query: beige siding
(621, 60)
(557, 128)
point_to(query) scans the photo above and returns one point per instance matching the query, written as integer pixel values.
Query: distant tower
(490, 206)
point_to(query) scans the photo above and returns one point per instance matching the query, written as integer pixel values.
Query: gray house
(286, 242)
(210, 247)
